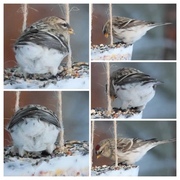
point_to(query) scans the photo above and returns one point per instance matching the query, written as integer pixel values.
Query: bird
(34, 128)
(132, 87)
(42, 46)
(128, 30)
(129, 150)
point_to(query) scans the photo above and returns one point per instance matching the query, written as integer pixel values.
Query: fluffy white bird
(42, 46)
(132, 87)
(34, 128)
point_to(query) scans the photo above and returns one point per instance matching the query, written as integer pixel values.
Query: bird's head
(105, 29)
(60, 24)
(103, 149)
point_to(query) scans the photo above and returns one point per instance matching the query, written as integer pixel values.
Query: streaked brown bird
(42, 46)
(129, 150)
(132, 87)
(129, 30)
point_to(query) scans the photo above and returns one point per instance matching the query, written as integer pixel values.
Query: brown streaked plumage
(129, 30)
(132, 87)
(43, 45)
(129, 150)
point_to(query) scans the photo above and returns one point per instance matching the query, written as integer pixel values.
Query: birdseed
(98, 170)
(15, 75)
(100, 113)
(70, 148)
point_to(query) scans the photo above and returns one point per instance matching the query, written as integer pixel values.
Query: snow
(118, 53)
(72, 83)
(121, 172)
(76, 165)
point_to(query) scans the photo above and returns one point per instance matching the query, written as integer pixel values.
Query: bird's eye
(64, 25)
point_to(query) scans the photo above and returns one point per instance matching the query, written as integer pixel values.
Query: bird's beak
(113, 98)
(106, 35)
(70, 31)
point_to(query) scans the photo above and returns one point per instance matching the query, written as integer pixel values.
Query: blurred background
(163, 104)
(159, 161)
(79, 21)
(158, 44)
(75, 110)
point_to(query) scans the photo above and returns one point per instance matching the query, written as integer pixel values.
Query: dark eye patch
(65, 25)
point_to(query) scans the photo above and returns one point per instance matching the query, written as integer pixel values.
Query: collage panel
(137, 89)
(139, 32)
(47, 49)
(144, 148)
(70, 79)
(48, 135)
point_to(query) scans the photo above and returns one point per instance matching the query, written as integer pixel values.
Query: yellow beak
(70, 31)
(98, 156)
(106, 35)
(113, 98)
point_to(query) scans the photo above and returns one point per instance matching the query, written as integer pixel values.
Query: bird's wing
(124, 23)
(124, 144)
(129, 144)
(45, 39)
(134, 78)
(34, 111)
(140, 142)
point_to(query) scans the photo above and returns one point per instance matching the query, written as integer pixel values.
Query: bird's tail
(167, 141)
(161, 24)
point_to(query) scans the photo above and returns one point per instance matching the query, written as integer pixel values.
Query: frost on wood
(73, 161)
(116, 51)
(130, 170)
(100, 113)
(75, 78)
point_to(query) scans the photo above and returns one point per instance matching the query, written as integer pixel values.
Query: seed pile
(15, 75)
(100, 113)
(98, 170)
(71, 160)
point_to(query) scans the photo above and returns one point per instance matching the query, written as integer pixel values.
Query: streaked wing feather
(127, 22)
(44, 39)
(134, 78)
(31, 112)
